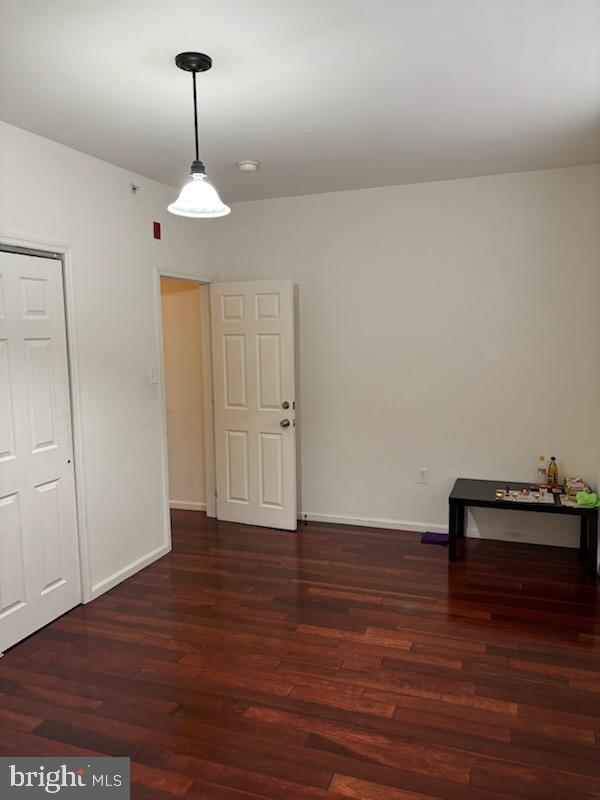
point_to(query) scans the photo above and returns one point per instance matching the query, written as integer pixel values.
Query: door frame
(61, 252)
(207, 390)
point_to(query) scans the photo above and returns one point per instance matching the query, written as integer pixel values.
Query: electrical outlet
(423, 475)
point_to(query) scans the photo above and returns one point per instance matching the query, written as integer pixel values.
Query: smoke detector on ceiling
(248, 166)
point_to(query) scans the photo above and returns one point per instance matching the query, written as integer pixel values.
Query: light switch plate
(152, 374)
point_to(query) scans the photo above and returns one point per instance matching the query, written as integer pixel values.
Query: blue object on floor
(434, 538)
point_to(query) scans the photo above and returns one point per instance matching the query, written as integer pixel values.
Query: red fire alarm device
(156, 226)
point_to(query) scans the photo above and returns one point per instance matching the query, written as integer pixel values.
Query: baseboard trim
(108, 583)
(187, 505)
(373, 522)
(421, 527)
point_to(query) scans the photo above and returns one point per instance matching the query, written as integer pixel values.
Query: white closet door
(39, 559)
(255, 434)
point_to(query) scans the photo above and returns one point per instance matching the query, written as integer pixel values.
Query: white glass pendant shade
(199, 198)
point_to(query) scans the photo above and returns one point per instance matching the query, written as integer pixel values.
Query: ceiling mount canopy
(193, 62)
(198, 198)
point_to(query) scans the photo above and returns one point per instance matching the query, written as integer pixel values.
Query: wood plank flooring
(339, 662)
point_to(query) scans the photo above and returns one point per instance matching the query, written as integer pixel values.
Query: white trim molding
(472, 531)
(187, 505)
(126, 572)
(373, 522)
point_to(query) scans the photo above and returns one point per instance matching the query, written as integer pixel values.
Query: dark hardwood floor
(339, 662)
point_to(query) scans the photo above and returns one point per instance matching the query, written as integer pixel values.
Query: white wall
(53, 193)
(421, 311)
(453, 325)
(182, 345)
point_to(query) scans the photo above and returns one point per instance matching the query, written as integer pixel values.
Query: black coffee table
(469, 492)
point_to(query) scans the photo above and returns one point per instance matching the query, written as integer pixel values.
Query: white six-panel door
(39, 561)
(255, 434)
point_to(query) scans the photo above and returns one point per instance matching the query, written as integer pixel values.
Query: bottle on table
(542, 470)
(553, 472)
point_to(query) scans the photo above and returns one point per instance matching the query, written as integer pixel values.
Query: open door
(255, 434)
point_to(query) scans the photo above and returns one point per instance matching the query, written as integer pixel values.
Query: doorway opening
(187, 383)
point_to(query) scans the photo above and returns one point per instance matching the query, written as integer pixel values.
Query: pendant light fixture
(198, 198)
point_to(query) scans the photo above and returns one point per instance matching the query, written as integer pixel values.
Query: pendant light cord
(195, 115)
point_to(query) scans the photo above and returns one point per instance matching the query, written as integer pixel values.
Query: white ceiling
(328, 94)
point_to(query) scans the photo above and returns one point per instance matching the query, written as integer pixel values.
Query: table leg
(583, 532)
(452, 520)
(592, 545)
(461, 513)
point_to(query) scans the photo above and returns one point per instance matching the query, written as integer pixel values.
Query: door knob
(285, 423)
(285, 405)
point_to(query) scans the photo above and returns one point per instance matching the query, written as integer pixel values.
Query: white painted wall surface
(53, 193)
(419, 309)
(182, 345)
(453, 325)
